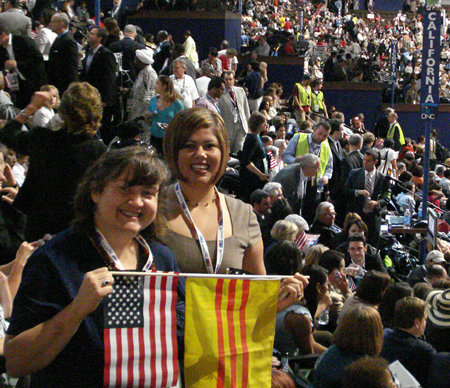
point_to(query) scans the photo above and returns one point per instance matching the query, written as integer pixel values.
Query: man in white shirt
(45, 37)
(184, 84)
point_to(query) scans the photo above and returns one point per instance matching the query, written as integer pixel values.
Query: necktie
(368, 185)
(232, 95)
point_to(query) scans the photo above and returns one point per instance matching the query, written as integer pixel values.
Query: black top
(415, 354)
(51, 280)
(58, 160)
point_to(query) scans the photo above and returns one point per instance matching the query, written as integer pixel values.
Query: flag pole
(203, 275)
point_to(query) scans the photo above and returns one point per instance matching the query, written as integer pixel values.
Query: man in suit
(324, 225)
(127, 47)
(63, 56)
(353, 160)
(299, 187)
(14, 19)
(367, 192)
(25, 63)
(162, 52)
(99, 69)
(338, 153)
(235, 112)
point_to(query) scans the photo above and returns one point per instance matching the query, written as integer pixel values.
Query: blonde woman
(43, 116)
(284, 231)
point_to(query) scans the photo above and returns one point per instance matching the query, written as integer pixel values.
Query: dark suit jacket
(102, 74)
(127, 47)
(338, 157)
(289, 178)
(29, 60)
(353, 160)
(356, 181)
(63, 62)
(162, 52)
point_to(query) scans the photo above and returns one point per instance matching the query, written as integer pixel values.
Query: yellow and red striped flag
(230, 326)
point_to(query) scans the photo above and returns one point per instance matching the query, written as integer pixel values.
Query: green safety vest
(391, 132)
(317, 101)
(303, 149)
(304, 95)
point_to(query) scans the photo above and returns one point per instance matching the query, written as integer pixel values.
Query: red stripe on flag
(119, 358)
(231, 333)
(245, 356)
(130, 374)
(162, 308)
(218, 308)
(107, 342)
(174, 331)
(301, 240)
(152, 332)
(141, 356)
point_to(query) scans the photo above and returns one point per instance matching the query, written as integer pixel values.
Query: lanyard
(183, 87)
(216, 105)
(201, 239)
(109, 255)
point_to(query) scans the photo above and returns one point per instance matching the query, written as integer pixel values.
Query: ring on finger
(105, 282)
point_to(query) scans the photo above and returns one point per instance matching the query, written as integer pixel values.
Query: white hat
(436, 256)
(145, 56)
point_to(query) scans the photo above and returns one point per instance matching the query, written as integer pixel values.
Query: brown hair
(145, 169)
(370, 372)
(281, 379)
(359, 223)
(360, 331)
(81, 108)
(255, 120)
(171, 94)
(373, 284)
(407, 310)
(181, 128)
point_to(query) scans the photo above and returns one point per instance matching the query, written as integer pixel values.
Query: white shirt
(386, 161)
(18, 172)
(42, 117)
(301, 189)
(44, 40)
(186, 89)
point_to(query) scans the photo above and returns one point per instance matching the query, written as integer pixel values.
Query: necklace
(205, 204)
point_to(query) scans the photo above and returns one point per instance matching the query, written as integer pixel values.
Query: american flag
(140, 332)
(273, 162)
(301, 240)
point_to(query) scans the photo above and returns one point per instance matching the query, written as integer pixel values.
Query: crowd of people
(128, 152)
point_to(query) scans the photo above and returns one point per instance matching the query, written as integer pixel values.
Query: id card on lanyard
(236, 117)
(203, 245)
(112, 255)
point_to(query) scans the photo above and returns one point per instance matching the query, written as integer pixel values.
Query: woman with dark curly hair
(56, 331)
(58, 159)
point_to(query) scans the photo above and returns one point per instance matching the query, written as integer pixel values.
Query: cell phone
(337, 274)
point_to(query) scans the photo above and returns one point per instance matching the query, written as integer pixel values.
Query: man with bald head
(296, 180)
(63, 56)
(127, 47)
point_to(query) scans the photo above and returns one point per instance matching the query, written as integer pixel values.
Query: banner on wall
(429, 92)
